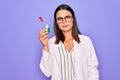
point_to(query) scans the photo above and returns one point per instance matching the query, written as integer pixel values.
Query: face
(64, 20)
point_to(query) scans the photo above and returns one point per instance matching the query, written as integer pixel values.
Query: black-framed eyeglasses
(67, 19)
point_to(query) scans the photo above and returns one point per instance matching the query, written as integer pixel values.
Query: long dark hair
(58, 33)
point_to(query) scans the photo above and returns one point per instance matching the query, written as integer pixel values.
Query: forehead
(63, 13)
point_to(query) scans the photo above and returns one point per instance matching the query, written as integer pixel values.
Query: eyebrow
(63, 17)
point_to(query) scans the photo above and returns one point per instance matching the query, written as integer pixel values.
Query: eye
(67, 17)
(59, 18)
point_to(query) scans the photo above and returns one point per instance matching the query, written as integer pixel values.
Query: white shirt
(78, 64)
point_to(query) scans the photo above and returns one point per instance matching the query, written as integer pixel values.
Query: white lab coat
(85, 63)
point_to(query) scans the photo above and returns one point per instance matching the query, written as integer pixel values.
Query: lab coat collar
(74, 42)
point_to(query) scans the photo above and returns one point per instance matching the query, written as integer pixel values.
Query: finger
(44, 40)
(42, 30)
(45, 37)
(41, 33)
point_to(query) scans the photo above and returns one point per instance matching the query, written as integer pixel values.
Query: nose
(64, 20)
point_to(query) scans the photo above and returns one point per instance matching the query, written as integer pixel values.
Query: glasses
(67, 19)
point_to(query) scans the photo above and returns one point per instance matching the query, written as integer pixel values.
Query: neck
(68, 35)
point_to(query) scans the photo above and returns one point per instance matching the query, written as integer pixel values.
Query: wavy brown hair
(58, 33)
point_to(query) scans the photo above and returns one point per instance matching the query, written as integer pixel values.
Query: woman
(69, 55)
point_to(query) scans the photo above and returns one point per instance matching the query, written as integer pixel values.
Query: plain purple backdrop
(20, 49)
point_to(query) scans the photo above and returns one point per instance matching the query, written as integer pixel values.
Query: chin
(67, 30)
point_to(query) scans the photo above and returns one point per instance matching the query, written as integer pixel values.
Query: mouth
(64, 26)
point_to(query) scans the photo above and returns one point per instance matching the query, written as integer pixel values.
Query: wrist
(46, 48)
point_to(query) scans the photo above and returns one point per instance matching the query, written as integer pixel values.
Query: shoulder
(84, 38)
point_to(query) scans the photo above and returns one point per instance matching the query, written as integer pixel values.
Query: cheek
(60, 26)
(71, 24)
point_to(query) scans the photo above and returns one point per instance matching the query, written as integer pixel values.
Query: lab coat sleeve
(93, 73)
(45, 63)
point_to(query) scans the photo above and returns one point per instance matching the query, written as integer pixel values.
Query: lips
(64, 26)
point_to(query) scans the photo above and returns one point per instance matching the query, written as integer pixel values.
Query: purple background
(20, 49)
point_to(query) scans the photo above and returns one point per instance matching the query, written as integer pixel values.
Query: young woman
(68, 55)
